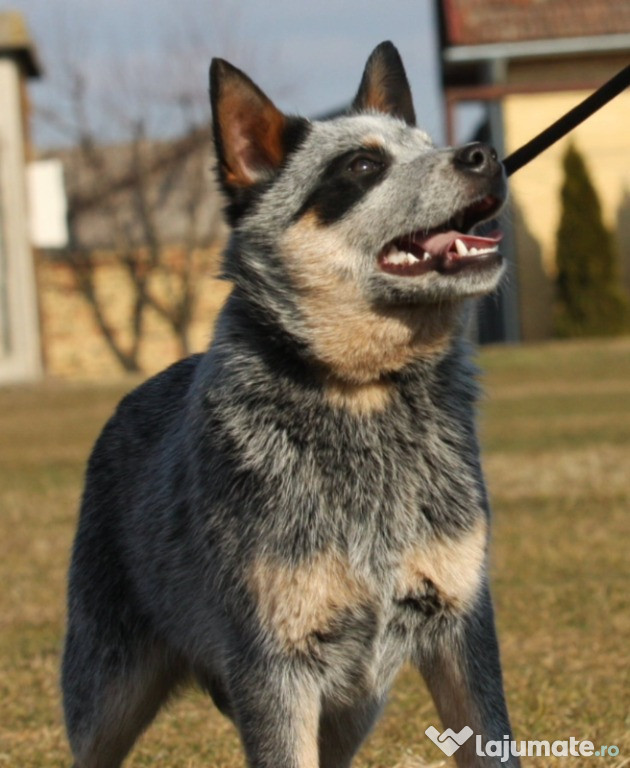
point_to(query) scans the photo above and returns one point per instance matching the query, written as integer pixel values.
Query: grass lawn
(555, 426)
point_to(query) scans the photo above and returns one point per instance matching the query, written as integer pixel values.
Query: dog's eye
(364, 164)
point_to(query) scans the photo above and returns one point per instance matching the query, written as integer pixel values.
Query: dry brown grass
(556, 426)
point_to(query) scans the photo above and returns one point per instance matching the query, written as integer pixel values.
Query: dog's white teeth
(401, 257)
(426, 256)
(463, 250)
(460, 245)
(397, 257)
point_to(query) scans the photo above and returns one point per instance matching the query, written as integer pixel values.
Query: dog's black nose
(477, 158)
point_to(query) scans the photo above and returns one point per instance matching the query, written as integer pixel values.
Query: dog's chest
(370, 531)
(362, 623)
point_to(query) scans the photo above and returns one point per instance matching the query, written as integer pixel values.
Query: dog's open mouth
(445, 249)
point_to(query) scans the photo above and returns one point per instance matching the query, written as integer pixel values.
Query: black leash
(568, 122)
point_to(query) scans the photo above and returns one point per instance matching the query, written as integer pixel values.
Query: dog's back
(291, 516)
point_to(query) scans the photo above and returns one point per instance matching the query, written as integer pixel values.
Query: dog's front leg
(460, 664)
(276, 706)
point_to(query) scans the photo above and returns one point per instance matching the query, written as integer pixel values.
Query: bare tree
(150, 205)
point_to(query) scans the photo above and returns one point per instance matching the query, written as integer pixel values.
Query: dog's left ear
(248, 128)
(384, 86)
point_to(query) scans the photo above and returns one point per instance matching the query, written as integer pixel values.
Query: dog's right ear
(248, 129)
(384, 85)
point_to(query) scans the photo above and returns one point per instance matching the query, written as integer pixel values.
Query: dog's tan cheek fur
(294, 602)
(454, 566)
(356, 342)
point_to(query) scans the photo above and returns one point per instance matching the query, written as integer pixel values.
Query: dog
(288, 518)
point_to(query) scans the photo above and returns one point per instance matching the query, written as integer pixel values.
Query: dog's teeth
(426, 256)
(401, 257)
(473, 251)
(461, 247)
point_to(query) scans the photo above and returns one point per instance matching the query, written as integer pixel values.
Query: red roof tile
(472, 22)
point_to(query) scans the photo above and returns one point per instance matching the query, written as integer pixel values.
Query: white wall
(20, 354)
(48, 208)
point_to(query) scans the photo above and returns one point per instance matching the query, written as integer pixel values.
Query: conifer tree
(590, 297)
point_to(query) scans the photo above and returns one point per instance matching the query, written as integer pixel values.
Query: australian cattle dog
(288, 518)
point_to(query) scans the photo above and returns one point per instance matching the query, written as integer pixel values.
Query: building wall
(19, 326)
(604, 140)
(73, 344)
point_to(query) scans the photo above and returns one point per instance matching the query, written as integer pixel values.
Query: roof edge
(525, 49)
(16, 41)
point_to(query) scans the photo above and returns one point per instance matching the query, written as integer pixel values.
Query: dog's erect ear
(384, 86)
(248, 128)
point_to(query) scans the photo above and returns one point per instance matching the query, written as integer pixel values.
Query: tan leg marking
(295, 601)
(308, 727)
(449, 685)
(454, 566)
(356, 341)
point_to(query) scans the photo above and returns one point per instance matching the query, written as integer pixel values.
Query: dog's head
(356, 222)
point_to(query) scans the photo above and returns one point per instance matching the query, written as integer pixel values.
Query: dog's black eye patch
(344, 182)
(364, 164)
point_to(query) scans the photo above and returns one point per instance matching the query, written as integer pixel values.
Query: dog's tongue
(444, 242)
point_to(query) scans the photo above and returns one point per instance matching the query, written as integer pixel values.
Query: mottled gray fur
(246, 527)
